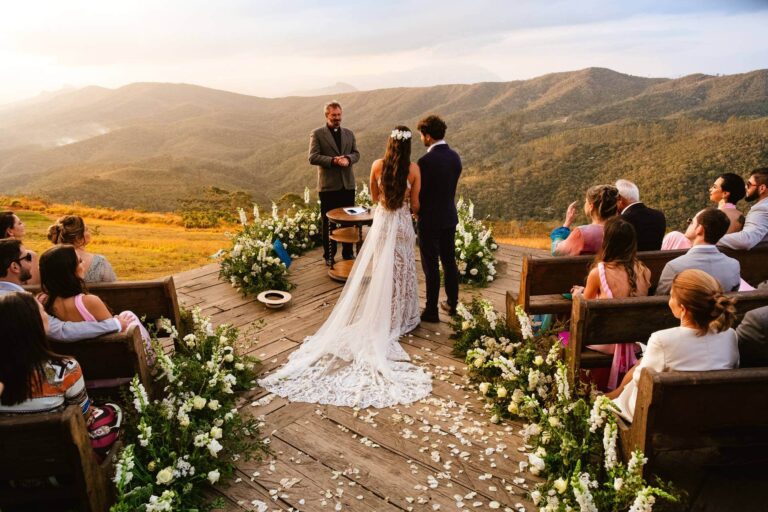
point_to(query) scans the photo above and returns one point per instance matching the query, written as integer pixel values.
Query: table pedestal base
(340, 270)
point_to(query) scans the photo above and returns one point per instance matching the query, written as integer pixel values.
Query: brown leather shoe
(447, 308)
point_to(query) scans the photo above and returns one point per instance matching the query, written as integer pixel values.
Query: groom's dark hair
(433, 126)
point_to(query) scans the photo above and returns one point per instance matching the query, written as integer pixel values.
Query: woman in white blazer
(704, 340)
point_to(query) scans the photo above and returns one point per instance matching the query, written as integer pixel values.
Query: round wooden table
(350, 231)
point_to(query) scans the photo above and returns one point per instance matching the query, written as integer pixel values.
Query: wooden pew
(689, 410)
(544, 279)
(111, 360)
(634, 319)
(36, 446)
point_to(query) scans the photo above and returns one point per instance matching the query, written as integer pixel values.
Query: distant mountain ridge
(149, 145)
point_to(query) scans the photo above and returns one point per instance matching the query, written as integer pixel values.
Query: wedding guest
(15, 267)
(11, 226)
(39, 380)
(755, 230)
(753, 338)
(704, 231)
(599, 206)
(703, 341)
(333, 150)
(727, 190)
(71, 229)
(617, 273)
(649, 224)
(61, 273)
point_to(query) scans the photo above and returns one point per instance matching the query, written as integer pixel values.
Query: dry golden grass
(138, 245)
(536, 243)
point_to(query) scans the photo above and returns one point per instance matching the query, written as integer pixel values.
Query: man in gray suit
(704, 231)
(755, 229)
(15, 268)
(333, 150)
(753, 338)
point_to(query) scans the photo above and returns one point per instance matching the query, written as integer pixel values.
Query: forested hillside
(529, 147)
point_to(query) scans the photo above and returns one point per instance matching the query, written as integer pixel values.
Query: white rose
(501, 391)
(618, 483)
(198, 402)
(512, 408)
(536, 497)
(538, 361)
(560, 485)
(214, 447)
(484, 387)
(229, 358)
(473, 271)
(164, 476)
(216, 433)
(213, 476)
(213, 405)
(479, 254)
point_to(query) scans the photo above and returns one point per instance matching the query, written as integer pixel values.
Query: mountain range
(529, 147)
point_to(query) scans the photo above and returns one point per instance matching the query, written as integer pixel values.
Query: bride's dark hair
(394, 174)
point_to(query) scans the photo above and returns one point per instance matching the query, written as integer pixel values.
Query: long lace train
(355, 359)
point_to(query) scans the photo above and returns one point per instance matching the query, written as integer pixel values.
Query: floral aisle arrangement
(251, 264)
(193, 435)
(474, 247)
(571, 434)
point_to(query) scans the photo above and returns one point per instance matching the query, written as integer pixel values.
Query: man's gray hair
(628, 190)
(330, 105)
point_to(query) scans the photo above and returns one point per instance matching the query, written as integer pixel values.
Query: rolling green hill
(529, 147)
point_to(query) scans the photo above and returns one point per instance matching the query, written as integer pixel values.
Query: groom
(440, 171)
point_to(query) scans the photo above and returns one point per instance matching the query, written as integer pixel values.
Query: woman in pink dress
(599, 206)
(617, 273)
(727, 190)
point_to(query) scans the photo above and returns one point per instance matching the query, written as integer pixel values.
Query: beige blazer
(322, 149)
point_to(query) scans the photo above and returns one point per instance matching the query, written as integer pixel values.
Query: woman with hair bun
(599, 206)
(703, 341)
(11, 226)
(70, 229)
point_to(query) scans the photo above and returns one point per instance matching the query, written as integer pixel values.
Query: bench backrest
(37, 446)
(634, 319)
(550, 275)
(687, 409)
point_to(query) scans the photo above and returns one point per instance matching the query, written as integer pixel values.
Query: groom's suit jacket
(440, 171)
(322, 149)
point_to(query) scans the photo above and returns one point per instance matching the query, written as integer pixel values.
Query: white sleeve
(653, 357)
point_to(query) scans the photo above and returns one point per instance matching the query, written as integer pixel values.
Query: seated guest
(599, 206)
(753, 338)
(38, 380)
(727, 190)
(71, 229)
(617, 273)
(704, 231)
(15, 269)
(11, 226)
(61, 274)
(755, 229)
(649, 224)
(704, 341)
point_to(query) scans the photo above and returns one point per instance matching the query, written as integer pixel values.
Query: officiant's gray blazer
(322, 149)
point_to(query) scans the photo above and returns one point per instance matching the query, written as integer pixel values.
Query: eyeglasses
(26, 257)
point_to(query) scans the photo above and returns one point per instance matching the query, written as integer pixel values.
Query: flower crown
(400, 134)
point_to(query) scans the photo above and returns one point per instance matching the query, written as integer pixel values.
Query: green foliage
(194, 435)
(212, 206)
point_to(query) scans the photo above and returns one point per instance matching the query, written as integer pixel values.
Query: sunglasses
(26, 257)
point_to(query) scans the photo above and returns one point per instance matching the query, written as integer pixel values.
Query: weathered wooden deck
(441, 453)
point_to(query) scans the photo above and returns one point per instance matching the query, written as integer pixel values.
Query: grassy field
(144, 245)
(137, 249)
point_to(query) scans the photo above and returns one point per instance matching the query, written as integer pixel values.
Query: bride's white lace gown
(355, 358)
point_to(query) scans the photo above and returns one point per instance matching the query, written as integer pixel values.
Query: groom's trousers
(439, 244)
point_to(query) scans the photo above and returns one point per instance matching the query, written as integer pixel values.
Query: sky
(285, 47)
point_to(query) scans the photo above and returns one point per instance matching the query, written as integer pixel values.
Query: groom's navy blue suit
(440, 171)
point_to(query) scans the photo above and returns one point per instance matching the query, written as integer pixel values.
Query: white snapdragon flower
(145, 432)
(164, 503)
(140, 398)
(644, 501)
(610, 434)
(124, 467)
(636, 462)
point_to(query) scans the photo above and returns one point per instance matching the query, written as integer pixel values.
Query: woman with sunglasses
(11, 226)
(66, 297)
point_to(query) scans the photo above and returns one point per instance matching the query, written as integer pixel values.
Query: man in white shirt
(755, 229)
(704, 231)
(15, 270)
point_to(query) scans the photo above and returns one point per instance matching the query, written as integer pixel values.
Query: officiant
(333, 150)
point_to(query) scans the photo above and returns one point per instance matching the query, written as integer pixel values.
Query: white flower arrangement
(474, 247)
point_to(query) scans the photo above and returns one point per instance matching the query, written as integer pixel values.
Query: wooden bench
(634, 319)
(724, 409)
(543, 280)
(111, 360)
(36, 446)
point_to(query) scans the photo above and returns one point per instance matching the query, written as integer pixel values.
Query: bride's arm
(374, 184)
(415, 188)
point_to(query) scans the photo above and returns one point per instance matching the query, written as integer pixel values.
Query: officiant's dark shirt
(336, 133)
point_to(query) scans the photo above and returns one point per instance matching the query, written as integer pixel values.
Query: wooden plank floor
(441, 453)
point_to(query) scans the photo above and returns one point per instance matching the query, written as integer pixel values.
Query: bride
(355, 359)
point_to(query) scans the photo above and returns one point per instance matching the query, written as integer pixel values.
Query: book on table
(355, 210)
